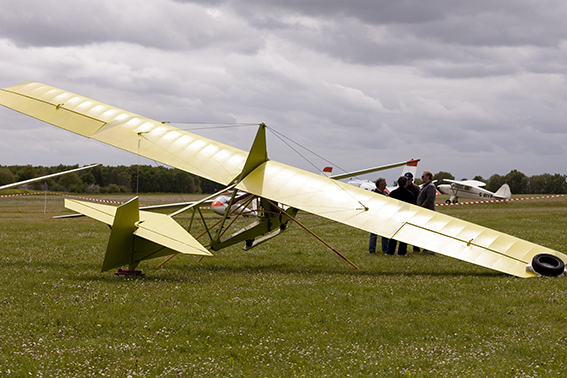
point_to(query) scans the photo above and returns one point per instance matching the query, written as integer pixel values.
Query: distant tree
(88, 178)
(547, 184)
(183, 183)
(6, 176)
(68, 180)
(517, 181)
(112, 188)
(26, 173)
(92, 189)
(123, 179)
(208, 186)
(440, 176)
(479, 178)
(495, 182)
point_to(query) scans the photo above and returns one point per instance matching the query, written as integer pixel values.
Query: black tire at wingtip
(548, 265)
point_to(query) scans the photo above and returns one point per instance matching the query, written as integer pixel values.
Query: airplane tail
(138, 235)
(411, 167)
(504, 192)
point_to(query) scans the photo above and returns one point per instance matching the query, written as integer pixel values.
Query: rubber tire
(448, 201)
(548, 265)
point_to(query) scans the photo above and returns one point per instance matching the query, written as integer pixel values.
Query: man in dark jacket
(427, 195)
(402, 194)
(415, 191)
(380, 186)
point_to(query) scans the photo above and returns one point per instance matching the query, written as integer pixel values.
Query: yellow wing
(131, 132)
(294, 187)
(391, 218)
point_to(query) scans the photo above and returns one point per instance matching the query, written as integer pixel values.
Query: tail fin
(504, 192)
(327, 171)
(411, 167)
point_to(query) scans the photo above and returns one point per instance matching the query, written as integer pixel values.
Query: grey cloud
(155, 24)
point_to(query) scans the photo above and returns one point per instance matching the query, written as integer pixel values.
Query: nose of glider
(216, 204)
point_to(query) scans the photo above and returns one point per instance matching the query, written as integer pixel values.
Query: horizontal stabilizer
(138, 235)
(96, 211)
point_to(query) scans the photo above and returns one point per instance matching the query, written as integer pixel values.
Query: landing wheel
(448, 201)
(548, 265)
(455, 201)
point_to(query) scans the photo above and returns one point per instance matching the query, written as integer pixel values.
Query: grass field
(290, 308)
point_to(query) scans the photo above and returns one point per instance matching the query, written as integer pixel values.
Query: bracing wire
(280, 136)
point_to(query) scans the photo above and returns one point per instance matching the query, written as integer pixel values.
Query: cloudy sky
(468, 87)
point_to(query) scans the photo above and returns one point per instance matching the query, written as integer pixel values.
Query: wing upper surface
(467, 182)
(128, 131)
(390, 218)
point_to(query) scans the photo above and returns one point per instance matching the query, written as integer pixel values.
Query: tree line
(149, 179)
(108, 179)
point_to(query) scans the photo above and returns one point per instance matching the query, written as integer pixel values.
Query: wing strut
(317, 237)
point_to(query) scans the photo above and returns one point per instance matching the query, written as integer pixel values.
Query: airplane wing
(125, 130)
(390, 218)
(294, 187)
(374, 169)
(467, 182)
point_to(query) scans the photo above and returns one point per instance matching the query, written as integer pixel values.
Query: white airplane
(472, 189)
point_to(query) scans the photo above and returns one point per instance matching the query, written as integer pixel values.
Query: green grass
(289, 308)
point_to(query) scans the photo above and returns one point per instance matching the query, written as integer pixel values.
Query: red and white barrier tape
(62, 195)
(437, 204)
(75, 197)
(501, 200)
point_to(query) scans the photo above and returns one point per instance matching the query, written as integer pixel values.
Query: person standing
(403, 194)
(380, 188)
(427, 194)
(415, 191)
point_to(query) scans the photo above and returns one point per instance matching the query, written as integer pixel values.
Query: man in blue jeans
(402, 193)
(380, 187)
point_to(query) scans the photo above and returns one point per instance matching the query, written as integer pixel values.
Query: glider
(472, 189)
(283, 190)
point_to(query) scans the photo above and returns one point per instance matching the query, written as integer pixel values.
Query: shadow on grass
(203, 274)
